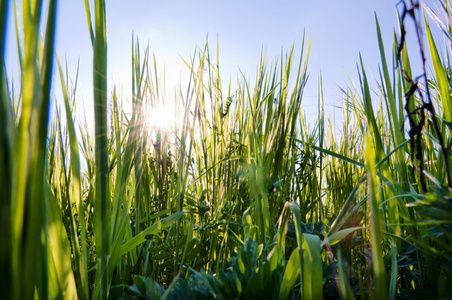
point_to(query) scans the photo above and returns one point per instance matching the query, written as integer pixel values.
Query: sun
(161, 118)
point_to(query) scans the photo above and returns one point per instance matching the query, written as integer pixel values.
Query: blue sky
(339, 30)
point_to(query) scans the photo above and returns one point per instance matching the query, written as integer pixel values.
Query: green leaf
(312, 259)
(61, 277)
(154, 229)
(337, 155)
(440, 74)
(339, 235)
(290, 275)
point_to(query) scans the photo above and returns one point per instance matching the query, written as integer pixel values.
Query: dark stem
(416, 129)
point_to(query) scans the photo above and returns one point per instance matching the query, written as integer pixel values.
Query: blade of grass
(6, 163)
(440, 75)
(81, 254)
(312, 259)
(102, 199)
(290, 274)
(379, 290)
(61, 278)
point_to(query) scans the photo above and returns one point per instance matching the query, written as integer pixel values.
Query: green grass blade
(297, 220)
(90, 23)
(154, 229)
(36, 249)
(19, 49)
(394, 273)
(345, 289)
(337, 155)
(379, 290)
(102, 200)
(369, 113)
(29, 254)
(337, 236)
(312, 260)
(387, 88)
(61, 278)
(82, 262)
(440, 74)
(290, 275)
(6, 164)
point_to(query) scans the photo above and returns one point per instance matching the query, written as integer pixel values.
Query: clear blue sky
(339, 30)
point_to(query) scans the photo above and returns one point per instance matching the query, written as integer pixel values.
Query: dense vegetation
(243, 198)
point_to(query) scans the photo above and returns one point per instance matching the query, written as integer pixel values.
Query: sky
(339, 30)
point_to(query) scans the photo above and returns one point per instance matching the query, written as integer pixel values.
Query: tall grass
(241, 197)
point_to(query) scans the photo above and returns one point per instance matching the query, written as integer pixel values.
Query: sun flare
(162, 118)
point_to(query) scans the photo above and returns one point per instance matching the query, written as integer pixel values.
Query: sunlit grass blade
(440, 75)
(290, 274)
(90, 23)
(36, 248)
(390, 100)
(312, 260)
(61, 277)
(379, 290)
(30, 89)
(337, 236)
(30, 270)
(372, 125)
(81, 254)
(154, 229)
(102, 196)
(338, 155)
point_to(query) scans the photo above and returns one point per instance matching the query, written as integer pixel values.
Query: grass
(243, 197)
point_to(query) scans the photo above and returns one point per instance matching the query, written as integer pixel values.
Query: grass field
(240, 197)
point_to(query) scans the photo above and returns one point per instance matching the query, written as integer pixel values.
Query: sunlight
(162, 118)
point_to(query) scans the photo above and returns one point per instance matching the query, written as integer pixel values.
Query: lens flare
(162, 118)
